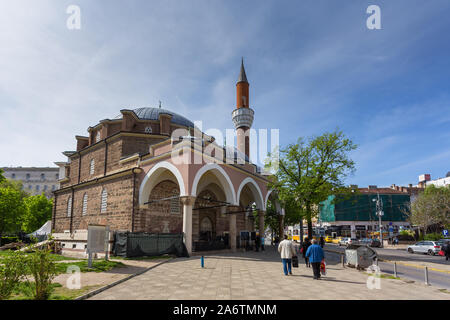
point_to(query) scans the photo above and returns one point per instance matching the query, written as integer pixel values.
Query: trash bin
(360, 256)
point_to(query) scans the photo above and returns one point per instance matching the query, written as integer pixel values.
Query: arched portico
(212, 172)
(255, 191)
(160, 172)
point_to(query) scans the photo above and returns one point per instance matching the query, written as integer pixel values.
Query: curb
(97, 291)
(414, 265)
(401, 263)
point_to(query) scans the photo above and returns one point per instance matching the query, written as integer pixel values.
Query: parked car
(427, 247)
(346, 241)
(336, 240)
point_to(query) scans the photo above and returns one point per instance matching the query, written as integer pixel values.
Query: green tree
(11, 210)
(432, 207)
(310, 171)
(2, 178)
(38, 211)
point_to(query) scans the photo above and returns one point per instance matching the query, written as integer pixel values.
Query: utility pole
(380, 213)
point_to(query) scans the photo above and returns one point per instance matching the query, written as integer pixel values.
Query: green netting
(138, 244)
(327, 210)
(362, 208)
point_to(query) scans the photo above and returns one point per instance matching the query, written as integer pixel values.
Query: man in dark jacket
(321, 241)
(315, 255)
(305, 246)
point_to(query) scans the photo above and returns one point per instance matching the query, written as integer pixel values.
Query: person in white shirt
(287, 251)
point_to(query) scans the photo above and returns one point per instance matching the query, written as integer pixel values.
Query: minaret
(243, 115)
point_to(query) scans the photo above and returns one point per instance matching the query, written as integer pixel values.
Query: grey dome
(153, 114)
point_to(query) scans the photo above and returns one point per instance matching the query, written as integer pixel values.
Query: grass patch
(384, 276)
(23, 292)
(143, 258)
(97, 266)
(444, 291)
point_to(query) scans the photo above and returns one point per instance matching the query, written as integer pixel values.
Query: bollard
(395, 269)
(426, 276)
(342, 260)
(203, 262)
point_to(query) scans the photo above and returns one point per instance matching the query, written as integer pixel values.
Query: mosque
(135, 173)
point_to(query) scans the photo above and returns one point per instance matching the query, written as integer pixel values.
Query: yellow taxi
(336, 240)
(328, 239)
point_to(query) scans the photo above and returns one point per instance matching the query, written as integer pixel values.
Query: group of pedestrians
(312, 252)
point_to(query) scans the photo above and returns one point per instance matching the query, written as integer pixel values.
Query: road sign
(445, 233)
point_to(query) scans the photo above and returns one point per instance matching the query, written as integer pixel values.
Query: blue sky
(313, 66)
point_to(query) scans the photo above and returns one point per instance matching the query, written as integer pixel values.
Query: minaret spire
(242, 75)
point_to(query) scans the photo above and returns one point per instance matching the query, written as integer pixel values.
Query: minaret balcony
(243, 117)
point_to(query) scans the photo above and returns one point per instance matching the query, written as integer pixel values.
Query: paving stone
(258, 276)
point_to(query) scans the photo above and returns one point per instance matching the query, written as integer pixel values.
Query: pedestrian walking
(262, 242)
(446, 250)
(287, 251)
(257, 243)
(322, 242)
(315, 255)
(305, 246)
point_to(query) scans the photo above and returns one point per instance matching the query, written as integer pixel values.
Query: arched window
(85, 201)
(92, 167)
(104, 203)
(69, 206)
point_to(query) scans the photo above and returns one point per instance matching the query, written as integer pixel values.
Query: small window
(97, 138)
(45, 188)
(28, 176)
(37, 188)
(57, 176)
(74, 246)
(104, 203)
(42, 176)
(92, 167)
(29, 187)
(53, 187)
(85, 201)
(13, 176)
(69, 206)
(175, 203)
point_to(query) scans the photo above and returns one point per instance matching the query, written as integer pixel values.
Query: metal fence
(139, 244)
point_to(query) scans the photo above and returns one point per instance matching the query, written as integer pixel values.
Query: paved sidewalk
(258, 275)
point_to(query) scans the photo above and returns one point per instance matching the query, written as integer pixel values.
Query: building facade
(151, 170)
(356, 216)
(35, 180)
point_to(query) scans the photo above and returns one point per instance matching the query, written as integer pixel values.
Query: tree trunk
(281, 227)
(309, 220)
(301, 230)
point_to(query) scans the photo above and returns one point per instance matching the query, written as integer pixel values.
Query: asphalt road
(399, 255)
(438, 279)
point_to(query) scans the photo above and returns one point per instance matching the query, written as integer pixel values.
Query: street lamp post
(380, 213)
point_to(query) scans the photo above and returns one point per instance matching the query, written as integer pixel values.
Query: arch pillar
(261, 214)
(188, 202)
(233, 227)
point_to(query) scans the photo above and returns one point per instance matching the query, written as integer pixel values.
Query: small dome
(153, 114)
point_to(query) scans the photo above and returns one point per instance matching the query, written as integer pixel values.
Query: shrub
(433, 236)
(8, 240)
(12, 270)
(43, 268)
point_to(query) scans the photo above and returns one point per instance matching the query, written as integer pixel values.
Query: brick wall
(158, 217)
(119, 206)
